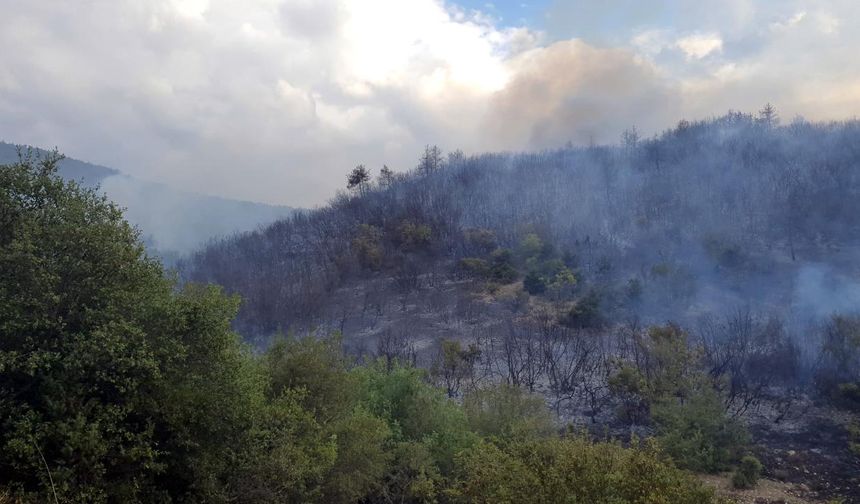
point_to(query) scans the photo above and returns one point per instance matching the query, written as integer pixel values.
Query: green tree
(502, 269)
(534, 284)
(585, 313)
(368, 247)
(454, 364)
(80, 346)
(415, 411)
(358, 179)
(363, 458)
(696, 432)
(669, 385)
(114, 386)
(318, 369)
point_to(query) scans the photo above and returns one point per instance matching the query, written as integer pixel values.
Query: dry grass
(766, 492)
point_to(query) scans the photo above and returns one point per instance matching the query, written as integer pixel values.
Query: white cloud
(698, 46)
(274, 100)
(651, 42)
(262, 99)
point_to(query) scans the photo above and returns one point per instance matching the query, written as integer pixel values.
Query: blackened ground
(811, 452)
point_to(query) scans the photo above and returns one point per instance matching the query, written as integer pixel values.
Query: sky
(275, 100)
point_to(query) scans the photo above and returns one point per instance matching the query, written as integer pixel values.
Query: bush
(667, 381)
(367, 246)
(317, 368)
(534, 284)
(572, 469)
(454, 364)
(480, 241)
(502, 269)
(531, 246)
(724, 252)
(629, 386)
(854, 437)
(633, 290)
(474, 267)
(415, 411)
(747, 473)
(362, 457)
(507, 412)
(411, 237)
(585, 313)
(696, 432)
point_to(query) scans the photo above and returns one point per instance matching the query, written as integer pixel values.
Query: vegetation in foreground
(115, 386)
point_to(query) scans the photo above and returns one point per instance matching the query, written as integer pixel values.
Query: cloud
(264, 100)
(699, 46)
(274, 100)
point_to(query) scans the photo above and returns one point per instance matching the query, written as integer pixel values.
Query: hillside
(88, 174)
(707, 218)
(556, 272)
(172, 222)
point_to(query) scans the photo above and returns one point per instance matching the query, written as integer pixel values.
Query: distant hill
(70, 169)
(173, 222)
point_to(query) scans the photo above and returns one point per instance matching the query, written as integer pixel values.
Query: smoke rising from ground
(820, 291)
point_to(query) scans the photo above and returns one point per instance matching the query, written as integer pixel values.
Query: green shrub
(318, 368)
(531, 246)
(629, 386)
(571, 470)
(411, 237)
(367, 246)
(454, 364)
(669, 385)
(696, 432)
(474, 267)
(502, 269)
(534, 284)
(413, 476)
(549, 274)
(854, 437)
(481, 241)
(415, 411)
(724, 252)
(633, 290)
(507, 412)
(747, 473)
(585, 313)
